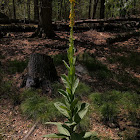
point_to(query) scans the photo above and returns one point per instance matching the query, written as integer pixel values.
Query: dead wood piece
(17, 28)
(31, 130)
(40, 72)
(41, 65)
(106, 20)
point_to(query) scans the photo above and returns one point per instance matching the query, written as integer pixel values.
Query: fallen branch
(106, 20)
(31, 130)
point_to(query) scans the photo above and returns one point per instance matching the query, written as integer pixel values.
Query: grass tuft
(39, 107)
(130, 134)
(132, 60)
(16, 66)
(55, 87)
(83, 90)
(5, 89)
(8, 92)
(94, 66)
(110, 104)
(58, 59)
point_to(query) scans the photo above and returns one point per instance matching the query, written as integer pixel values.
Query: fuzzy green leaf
(70, 124)
(83, 110)
(64, 93)
(73, 104)
(54, 135)
(80, 112)
(65, 80)
(88, 134)
(74, 59)
(69, 91)
(72, 70)
(76, 136)
(75, 85)
(54, 123)
(77, 118)
(62, 108)
(67, 66)
(81, 136)
(63, 129)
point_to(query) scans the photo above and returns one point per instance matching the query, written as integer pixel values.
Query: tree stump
(3, 16)
(40, 72)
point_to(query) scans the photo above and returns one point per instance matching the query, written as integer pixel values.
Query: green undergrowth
(130, 134)
(5, 88)
(38, 106)
(86, 123)
(58, 59)
(17, 66)
(8, 92)
(125, 77)
(131, 60)
(111, 104)
(83, 90)
(55, 87)
(101, 72)
(95, 67)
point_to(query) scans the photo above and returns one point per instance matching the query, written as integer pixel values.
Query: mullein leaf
(73, 104)
(54, 123)
(55, 135)
(67, 66)
(88, 134)
(74, 60)
(63, 129)
(64, 93)
(75, 85)
(62, 109)
(65, 80)
(84, 108)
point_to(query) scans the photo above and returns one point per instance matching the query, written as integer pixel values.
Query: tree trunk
(36, 11)
(94, 8)
(3, 16)
(45, 21)
(14, 10)
(59, 3)
(61, 10)
(24, 12)
(65, 11)
(28, 9)
(89, 12)
(41, 72)
(102, 9)
(134, 7)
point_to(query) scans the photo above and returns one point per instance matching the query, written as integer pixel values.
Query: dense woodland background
(85, 9)
(107, 42)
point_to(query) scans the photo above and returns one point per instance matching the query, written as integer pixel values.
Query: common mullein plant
(72, 109)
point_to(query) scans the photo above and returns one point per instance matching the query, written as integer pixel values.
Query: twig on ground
(31, 130)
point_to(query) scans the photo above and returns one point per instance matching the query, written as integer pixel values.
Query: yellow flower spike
(72, 13)
(72, 1)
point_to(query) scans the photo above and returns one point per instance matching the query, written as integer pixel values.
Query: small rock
(25, 131)
(81, 69)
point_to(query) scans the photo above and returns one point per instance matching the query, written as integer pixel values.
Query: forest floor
(19, 46)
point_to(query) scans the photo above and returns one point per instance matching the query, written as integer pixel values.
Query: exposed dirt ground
(13, 126)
